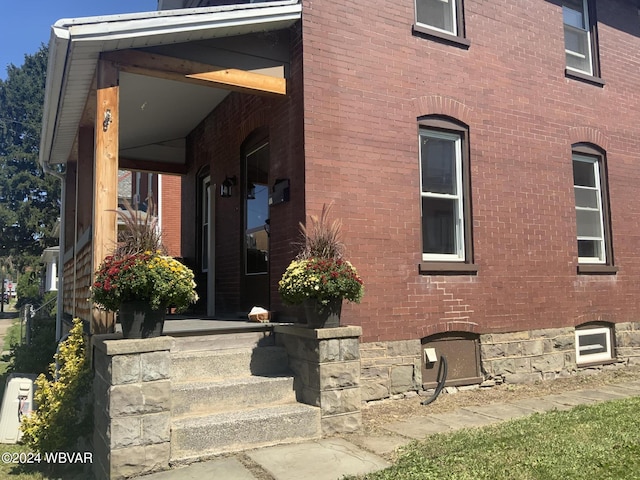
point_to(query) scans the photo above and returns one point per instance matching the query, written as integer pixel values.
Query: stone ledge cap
(320, 333)
(114, 344)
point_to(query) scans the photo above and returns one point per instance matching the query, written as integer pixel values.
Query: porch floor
(183, 326)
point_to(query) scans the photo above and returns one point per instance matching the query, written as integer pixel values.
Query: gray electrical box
(17, 401)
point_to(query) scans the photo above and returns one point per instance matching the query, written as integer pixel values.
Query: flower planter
(323, 316)
(139, 320)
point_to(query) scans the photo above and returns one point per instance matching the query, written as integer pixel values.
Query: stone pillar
(132, 411)
(326, 364)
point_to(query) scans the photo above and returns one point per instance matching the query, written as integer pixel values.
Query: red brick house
(482, 156)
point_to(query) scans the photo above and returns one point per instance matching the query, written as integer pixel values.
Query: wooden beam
(152, 167)
(105, 174)
(171, 68)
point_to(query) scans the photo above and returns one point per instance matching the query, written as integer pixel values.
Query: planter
(139, 320)
(323, 316)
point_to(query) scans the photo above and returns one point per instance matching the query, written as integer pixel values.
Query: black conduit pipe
(441, 379)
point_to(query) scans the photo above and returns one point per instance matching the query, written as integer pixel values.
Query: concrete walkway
(331, 458)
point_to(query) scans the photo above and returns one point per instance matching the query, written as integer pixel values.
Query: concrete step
(223, 341)
(228, 363)
(193, 438)
(199, 398)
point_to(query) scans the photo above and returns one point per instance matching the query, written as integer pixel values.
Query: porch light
(226, 188)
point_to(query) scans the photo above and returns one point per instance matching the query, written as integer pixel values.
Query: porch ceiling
(156, 113)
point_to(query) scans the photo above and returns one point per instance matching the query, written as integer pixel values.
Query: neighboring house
(50, 258)
(483, 157)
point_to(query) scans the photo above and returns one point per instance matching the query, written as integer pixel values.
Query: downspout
(60, 294)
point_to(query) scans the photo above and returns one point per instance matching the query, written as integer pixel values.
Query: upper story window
(442, 19)
(580, 38)
(592, 209)
(446, 209)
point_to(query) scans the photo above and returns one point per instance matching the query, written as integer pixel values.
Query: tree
(29, 199)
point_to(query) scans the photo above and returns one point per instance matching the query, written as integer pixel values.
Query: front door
(256, 226)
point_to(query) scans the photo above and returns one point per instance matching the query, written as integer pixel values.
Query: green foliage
(35, 357)
(320, 279)
(29, 199)
(159, 279)
(591, 441)
(62, 415)
(28, 290)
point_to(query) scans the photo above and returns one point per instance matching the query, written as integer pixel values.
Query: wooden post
(105, 174)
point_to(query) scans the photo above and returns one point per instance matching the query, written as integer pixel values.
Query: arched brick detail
(588, 135)
(591, 318)
(440, 105)
(450, 326)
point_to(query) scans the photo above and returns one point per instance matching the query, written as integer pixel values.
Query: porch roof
(75, 47)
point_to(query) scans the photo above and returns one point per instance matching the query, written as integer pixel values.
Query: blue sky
(25, 24)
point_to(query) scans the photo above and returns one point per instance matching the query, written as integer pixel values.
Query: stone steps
(234, 398)
(225, 395)
(223, 342)
(228, 363)
(197, 437)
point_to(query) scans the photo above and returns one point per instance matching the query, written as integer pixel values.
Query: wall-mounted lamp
(226, 188)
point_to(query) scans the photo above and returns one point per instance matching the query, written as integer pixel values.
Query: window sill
(597, 81)
(449, 39)
(447, 268)
(597, 269)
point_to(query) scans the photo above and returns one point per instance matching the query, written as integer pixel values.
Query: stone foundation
(132, 411)
(326, 364)
(390, 368)
(628, 342)
(524, 357)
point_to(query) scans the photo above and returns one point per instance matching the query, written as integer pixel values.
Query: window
(580, 38)
(444, 172)
(440, 18)
(593, 345)
(592, 212)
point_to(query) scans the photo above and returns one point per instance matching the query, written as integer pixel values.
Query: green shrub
(62, 415)
(35, 357)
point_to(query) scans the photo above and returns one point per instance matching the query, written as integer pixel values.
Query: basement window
(593, 345)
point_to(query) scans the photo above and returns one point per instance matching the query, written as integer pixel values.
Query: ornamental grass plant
(319, 271)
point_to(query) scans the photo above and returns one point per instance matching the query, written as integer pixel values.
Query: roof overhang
(76, 45)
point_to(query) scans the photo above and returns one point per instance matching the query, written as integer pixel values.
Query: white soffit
(75, 46)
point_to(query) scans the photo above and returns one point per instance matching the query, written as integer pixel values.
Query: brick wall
(215, 148)
(367, 79)
(170, 220)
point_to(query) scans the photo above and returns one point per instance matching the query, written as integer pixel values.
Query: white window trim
(459, 256)
(454, 18)
(205, 222)
(599, 357)
(587, 30)
(598, 190)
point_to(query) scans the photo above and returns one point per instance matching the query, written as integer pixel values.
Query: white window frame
(205, 223)
(598, 190)
(459, 256)
(582, 359)
(454, 18)
(587, 30)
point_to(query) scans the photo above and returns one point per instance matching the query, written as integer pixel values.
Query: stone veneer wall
(326, 364)
(628, 342)
(132, 411)
(390, 368)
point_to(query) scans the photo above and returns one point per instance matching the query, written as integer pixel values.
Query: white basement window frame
(593, 345)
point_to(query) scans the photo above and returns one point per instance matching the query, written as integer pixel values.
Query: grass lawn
(600, 441)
